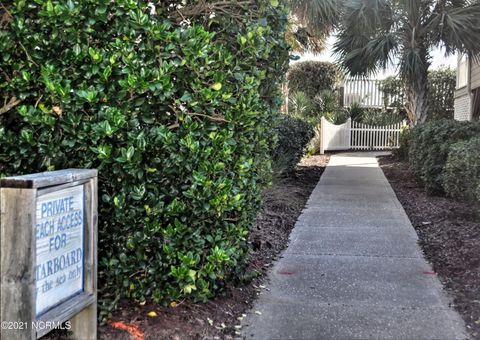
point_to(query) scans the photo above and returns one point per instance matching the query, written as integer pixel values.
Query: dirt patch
(449, 233)
(216, 319)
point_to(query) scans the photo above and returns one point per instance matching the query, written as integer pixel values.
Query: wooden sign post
(48, 251)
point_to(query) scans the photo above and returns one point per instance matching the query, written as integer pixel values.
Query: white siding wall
(475, 74)
(462, 108)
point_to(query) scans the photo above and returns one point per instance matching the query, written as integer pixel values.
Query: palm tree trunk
(416, 93)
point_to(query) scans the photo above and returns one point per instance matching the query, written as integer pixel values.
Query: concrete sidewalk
(353, 269)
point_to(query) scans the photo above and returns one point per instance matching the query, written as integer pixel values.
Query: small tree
(312, 77)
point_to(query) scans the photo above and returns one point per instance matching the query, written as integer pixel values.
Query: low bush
(462, 171)
(336, 117)
(404, 143)
(299, 105)
(429, 148)
(356, 111)
(294, 134)
(380, 118)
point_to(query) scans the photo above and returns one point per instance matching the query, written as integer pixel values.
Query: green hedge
(430, 145)
(441, 91)
(313, 77)
(294, 134)
(404, 143)
(462, 171)
(176, 117)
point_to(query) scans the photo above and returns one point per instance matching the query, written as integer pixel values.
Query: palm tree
(372, 34)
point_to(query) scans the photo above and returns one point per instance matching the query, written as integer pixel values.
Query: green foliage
(355, 111)
(336, 117)
(176, 118)
(313, 77)
(293, 136)
(326, 103)
(393, 92)
(299, 105)
(430, 145)
(462, 171)
(380, 117)
(300, 38)
(441, 90)
(404, 143)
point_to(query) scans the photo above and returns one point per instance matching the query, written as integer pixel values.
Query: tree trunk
(416, 96)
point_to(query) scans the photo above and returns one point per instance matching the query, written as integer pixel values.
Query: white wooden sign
(48, 254)
(60, 247)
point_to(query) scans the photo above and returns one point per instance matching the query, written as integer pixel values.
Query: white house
(467, 94)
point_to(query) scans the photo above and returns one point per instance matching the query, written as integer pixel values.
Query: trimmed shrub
(294, 134)
(429, 148)
(462, 171)
(176, 117)
(441, 91)
(404, 143)
(313, 77)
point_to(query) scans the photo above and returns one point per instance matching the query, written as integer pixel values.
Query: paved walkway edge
(353, 268)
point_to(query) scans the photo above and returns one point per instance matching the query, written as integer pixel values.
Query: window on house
(476, 104)
(462, 71)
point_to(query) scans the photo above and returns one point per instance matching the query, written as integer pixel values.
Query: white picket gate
(358, 136)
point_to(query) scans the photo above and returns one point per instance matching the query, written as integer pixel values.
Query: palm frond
(413, 63)
(319, 16)
(367, 16)
(366, 56)
(458, 28)
(365, 41)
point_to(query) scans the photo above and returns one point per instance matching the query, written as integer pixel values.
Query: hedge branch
(6, 17)
(10, 105)
(28, 55)
(216, 118)
(202, 8)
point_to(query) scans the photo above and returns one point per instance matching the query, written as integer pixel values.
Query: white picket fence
(358, 136)
(368, 93)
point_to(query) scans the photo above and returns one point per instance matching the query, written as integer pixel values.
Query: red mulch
(449, 233)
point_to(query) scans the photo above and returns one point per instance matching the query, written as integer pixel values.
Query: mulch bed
(449, 233)
(217, 318)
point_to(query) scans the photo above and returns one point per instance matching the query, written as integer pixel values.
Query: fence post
(322, 142)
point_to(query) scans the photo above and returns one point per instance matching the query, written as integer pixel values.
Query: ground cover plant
(175, 107)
